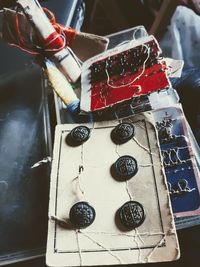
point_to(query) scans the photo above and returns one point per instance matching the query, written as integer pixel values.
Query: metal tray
(25, 139)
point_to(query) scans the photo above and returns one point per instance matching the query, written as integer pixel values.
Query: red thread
(153, 79)
(69, 33)
(55, 42)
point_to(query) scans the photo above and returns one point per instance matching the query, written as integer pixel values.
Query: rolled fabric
(84, 45)
(52, 41)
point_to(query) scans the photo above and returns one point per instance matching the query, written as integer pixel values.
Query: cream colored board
(103, 243)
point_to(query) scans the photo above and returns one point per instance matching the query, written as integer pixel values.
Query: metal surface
(24, 140)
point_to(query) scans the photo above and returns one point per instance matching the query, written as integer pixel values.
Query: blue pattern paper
(179, 161)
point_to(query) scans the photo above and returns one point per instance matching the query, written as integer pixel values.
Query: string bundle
(62, 37)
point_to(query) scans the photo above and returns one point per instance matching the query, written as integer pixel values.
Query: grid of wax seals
(128, 61)
(102, 192)
(178, 162)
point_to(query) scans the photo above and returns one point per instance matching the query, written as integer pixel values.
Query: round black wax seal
(78, 135)
(122, 133)
(82, 214)
(124, 168)
(131, 214)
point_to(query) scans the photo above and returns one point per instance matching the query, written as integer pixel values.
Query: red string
(68, 32)
(55, 42)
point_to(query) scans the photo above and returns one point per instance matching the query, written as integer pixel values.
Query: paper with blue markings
(179, 161)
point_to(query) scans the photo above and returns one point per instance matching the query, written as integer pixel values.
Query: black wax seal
(122, 133)
(82, 215)
(131, 214)
(124, 168)
(78, 135)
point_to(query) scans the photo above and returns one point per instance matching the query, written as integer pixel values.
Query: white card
(103, 242)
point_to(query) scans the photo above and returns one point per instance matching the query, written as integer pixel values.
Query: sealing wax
(124, 168)
(82, 214)
(122, 133)
(131, 214)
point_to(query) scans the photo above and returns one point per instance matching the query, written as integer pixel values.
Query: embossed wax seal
(131, 214)
(78, 135)
(82, 214)
(124, 168)
(122, 133)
